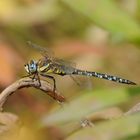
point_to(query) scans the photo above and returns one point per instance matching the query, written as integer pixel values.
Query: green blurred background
(97, 35)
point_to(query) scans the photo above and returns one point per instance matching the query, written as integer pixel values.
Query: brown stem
(28, 82)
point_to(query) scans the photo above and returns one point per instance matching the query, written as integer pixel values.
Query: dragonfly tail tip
(132, 83)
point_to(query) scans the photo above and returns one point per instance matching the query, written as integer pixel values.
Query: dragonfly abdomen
(103, 76)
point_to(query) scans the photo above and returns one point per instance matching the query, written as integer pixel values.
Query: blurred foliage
(84, 105)
(99, 35)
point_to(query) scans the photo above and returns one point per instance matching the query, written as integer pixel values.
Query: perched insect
(48, 64)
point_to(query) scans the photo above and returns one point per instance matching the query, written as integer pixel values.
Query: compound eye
(32, 66)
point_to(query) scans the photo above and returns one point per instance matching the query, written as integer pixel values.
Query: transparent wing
(46, 52)
(76, 80)
(69, 64)
(65, 62)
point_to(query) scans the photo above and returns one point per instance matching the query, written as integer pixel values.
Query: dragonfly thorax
(31, 67)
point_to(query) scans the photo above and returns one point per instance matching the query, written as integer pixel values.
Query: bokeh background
(96, 35)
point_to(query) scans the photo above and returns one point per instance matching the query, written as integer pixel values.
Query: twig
(133, 110)
(28, 82)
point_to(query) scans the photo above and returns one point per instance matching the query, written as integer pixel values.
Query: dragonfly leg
(33, 77)
(54, 82)
(38, 78)
(30, 76)
(27, 76)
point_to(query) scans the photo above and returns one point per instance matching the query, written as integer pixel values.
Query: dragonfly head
(31, 67)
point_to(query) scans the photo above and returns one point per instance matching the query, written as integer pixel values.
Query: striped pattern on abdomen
(103, 76)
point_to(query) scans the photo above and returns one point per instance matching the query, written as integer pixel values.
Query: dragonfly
(50, 65)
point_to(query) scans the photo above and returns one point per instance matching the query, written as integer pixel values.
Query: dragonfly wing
(46, 52)
(65, 62)
(77, 81)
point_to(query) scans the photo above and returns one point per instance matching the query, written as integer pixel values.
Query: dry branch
(28, 82)
(133, 110)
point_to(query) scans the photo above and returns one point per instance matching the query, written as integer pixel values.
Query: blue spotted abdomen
(103, 76)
